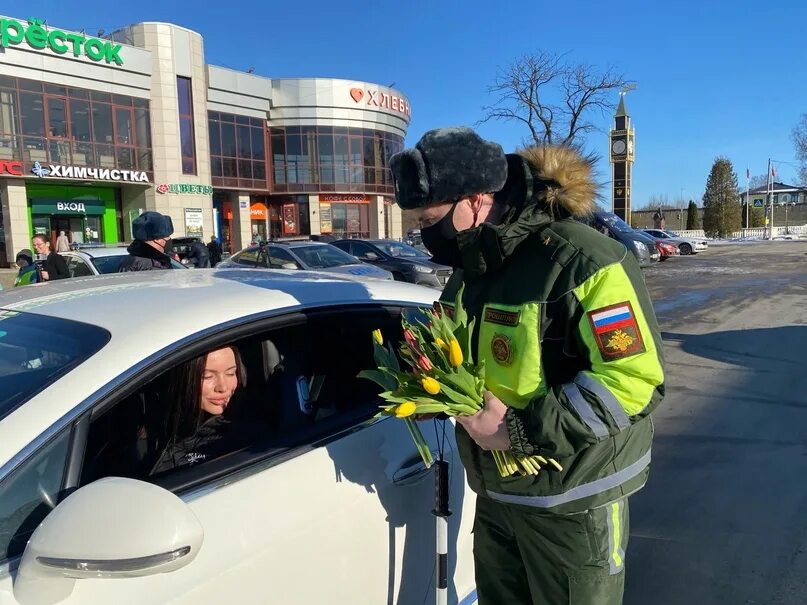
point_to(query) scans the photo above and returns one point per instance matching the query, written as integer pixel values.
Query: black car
(181, 246)
(403, 261)
(639, 243)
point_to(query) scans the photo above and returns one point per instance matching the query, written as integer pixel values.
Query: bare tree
(800, 141)
(758, 180)
(552, 97)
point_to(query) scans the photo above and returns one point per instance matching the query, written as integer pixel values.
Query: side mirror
(112, 528)
(288, 266)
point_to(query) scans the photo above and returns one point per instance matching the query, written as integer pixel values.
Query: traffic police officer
(573, 361)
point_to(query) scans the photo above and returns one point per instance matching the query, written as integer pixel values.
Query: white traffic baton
(441, 514)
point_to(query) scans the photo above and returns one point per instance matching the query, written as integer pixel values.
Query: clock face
(618, 147)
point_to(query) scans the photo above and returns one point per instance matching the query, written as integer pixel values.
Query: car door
(370, 254)
(341, 514)
(78, 267)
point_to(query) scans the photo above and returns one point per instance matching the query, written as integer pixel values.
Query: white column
(242, 229)
(397, 226)
(377, 217)
(313, 214)
(14, 201)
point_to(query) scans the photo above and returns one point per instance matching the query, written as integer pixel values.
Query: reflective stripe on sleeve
(607, 397)
(585, 411)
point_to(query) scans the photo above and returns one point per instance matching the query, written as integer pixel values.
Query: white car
(686, 245)
(326, 504)
(99, 261)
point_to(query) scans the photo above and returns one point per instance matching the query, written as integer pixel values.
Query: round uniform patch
(502, 348)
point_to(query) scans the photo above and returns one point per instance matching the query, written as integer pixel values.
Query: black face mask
(441, 240)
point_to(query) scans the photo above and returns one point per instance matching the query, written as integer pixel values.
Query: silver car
(686, 245)
(99, 261)
(303, 255)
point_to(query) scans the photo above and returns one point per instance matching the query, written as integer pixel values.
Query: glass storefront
(50, 123)
(87, 216)
(326, 158)
(348, 215)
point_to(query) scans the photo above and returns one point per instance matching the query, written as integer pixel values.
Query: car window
(344, 246)
(324, 256)
(77, 267)
(298, 390)
(29, 493)
(364, 251)
(36, 350)
(248, 257)
(614, 222)
(399, 250)
(108, 264)
(282, 259)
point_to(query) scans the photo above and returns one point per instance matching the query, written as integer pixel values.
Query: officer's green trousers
(526, 557)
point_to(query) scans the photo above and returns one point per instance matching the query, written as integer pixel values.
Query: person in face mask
(152, 232)
(572, 354)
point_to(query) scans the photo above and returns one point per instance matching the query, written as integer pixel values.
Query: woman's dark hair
(183, 392)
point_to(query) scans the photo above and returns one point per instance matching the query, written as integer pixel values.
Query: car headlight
(423, 269)
(640, 247)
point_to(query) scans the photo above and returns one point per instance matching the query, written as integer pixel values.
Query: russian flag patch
(616, 331)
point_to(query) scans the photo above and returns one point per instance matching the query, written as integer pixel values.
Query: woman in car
(199, 393)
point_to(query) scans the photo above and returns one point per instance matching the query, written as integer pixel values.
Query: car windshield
(36, 350)
(616, 223)
(111, 264)
(323, 257)
(399, 250)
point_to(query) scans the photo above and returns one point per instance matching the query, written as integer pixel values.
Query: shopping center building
(95, 130)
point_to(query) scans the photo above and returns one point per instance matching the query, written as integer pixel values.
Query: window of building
(186, 132)
(237, 150)
(308, 158)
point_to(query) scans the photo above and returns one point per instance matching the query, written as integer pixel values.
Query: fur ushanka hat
(445, 165)
(151, 226)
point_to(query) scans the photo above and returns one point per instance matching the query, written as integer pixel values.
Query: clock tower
(622, 155)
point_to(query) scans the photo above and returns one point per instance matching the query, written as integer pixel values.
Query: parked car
(181, 246)
(303, 255)
(640, 244)
(322, 488)
(666, 249)
(98, 261)
(686, 245)
(405, 262)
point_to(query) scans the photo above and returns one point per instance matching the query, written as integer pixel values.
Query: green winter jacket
(570, 342)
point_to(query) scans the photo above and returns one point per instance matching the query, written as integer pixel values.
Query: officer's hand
(45, 276)
(488, 427)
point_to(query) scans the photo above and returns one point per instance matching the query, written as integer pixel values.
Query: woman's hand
(488, 427)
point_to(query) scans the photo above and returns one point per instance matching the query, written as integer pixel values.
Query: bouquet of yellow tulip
(441, 378)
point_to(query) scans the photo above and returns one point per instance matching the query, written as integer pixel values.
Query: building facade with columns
(96, 130)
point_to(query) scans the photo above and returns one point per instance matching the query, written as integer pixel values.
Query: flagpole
(747, 199)
(770, 198)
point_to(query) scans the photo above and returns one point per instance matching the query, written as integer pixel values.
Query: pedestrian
(198, 255)
(214, 251)
(62, 243)
(52, 265)
(28, 272)
(572, 357)
(152, 238)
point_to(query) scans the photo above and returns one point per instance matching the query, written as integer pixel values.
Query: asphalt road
(723, 518)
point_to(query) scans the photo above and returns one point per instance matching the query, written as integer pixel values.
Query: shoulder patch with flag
(616, 331)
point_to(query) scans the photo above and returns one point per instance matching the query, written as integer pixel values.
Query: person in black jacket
(197, 395)
(199, 255)
(54, 266)
(214, 250)
(152, 236)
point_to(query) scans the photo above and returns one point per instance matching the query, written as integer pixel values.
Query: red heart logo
(357, 94)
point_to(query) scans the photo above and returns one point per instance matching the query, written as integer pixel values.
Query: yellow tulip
(441, 344)
(377, 337)
(430, 385)
(407, 408)
(454, 353)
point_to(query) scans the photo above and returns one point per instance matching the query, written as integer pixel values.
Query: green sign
(184, 188)
(69, 207)
(35, 35)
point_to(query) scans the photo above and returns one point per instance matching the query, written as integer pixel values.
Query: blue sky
(715, 77)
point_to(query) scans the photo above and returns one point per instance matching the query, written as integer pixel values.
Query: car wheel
(685, 249)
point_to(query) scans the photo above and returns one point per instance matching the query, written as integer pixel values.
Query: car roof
(183, 302)
(98, 252)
